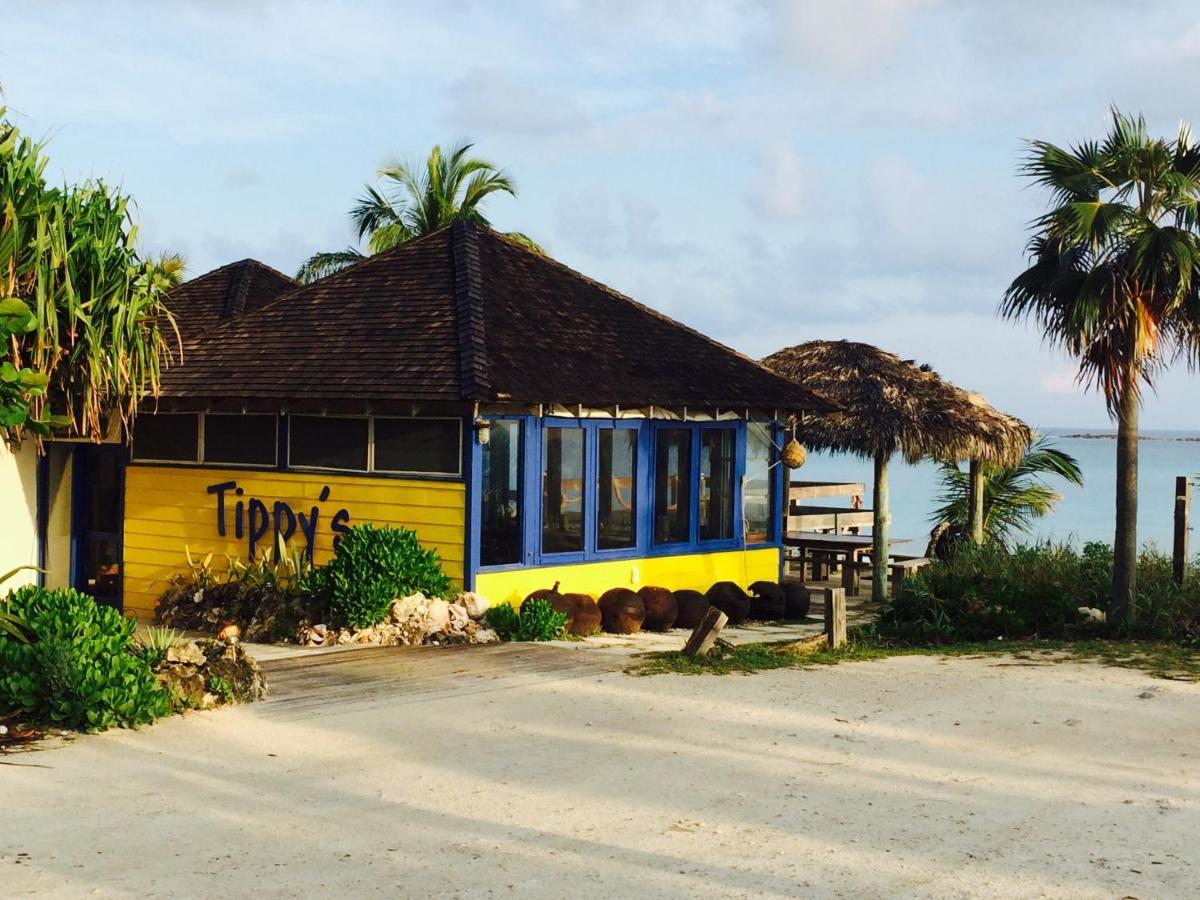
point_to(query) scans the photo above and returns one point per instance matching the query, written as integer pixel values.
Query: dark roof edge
(468, 312)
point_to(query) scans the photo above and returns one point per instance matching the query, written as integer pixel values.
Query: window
(418, 445)
(562, 490)
(672, 485)
(241, 440)
(716, 484)
(500, 542)
(167, 437)
(616, 517)
(756, 495)
(328, 442)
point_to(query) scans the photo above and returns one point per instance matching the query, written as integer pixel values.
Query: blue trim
(473, 532)
(81, 473)
(42, 487)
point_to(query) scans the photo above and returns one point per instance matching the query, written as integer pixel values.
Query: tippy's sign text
(252, 519)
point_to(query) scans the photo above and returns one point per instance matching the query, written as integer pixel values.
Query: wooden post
(879, 542)
(1183, 506)
(975, 502)
(835, 616)
(850, 575)
(704, 636)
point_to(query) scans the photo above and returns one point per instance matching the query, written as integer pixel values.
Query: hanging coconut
(794, 454)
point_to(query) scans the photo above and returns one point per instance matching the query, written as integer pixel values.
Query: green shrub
(537, 621)
(372, 567)
(80, 670)
(153, 643)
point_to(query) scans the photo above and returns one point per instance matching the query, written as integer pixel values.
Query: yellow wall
(168, 509)
(695, 571)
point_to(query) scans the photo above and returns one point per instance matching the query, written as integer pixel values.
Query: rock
(407, 607)
(187, 653)
(437, 617)
(731, 600)
(661, 608)
(183, 683)
(622, 611)
(796, 600)
(692, 606)
(1092, 614)
(475, 604)
(237, 668)
(585, 617)
(485, 636)
(767, 602)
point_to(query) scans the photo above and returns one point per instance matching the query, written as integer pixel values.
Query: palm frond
(321, 264)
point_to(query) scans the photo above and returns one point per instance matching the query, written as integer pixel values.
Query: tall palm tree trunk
(879, 530)
(1125, 542)
(975, 502)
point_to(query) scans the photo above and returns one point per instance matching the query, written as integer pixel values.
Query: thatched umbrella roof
(892, 405)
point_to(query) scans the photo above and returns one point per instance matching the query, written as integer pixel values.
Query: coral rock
(475, 604)
(622, 611)
(187, 653)
(661, 608)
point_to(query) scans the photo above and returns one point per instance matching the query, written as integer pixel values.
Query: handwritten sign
(252, 518)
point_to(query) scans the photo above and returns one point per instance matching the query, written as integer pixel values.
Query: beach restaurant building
(528, 422)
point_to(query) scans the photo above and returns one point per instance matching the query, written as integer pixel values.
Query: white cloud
(778, 186)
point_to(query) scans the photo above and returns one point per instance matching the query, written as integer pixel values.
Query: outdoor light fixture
(483, 431)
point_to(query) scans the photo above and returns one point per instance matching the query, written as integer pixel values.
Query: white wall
(18, 511)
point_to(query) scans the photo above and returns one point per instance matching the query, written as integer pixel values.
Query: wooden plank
(835, 616)
(810, 489)
(1183, 504)
(704, 635)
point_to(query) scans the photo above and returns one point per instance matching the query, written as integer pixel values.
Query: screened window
(672, 485)
(617, 493)
(418, 445)
(328, 442)
(241, 440)
(756, 495)
(716, 484)
(500, 542)
(167, 437)
(562, 490)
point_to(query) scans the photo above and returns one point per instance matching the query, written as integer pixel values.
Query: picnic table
(823, 547)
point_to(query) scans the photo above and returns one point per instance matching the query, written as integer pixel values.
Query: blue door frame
(97, 518)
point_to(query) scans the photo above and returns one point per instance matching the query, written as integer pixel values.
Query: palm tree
(449, 187)
(1111, 279)
(1013, 496)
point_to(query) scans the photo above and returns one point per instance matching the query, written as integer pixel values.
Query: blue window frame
(589, 489)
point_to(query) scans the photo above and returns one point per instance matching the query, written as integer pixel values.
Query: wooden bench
(901, 568)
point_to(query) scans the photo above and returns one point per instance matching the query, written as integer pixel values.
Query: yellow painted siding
(168, 509)
(695, 571)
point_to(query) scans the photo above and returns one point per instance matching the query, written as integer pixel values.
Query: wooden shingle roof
(465, 314)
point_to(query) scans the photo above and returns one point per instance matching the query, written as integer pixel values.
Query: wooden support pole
(1183, 507)
(975, 502)
(850, 575)
(835, 616)
(704, 636)
(879, 528)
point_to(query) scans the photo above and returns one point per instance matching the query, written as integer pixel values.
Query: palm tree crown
(416, 200)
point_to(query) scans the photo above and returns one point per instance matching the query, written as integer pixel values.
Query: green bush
(537, 621)
(80, 670)
(987, 592)
(372, 567)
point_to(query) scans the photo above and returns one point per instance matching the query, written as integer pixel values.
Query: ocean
(1084, 514)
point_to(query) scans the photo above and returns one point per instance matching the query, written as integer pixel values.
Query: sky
(766, 172)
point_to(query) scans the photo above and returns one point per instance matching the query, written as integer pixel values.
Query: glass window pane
(103, 487)
(757, 490)
(501, 538)
(240, 440)
(326, 442)
(417, 445)
(562, 490)
(102, 570)
(672, 485)
(716, 484)
(167, 437)
(617, 494)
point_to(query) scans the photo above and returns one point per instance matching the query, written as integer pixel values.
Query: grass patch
(1161, 659)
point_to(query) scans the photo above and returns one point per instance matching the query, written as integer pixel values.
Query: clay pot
(796, 600)
(731, 600)
(622, 611)
(692, 607)
(584, 616)
(767, 602)
(661, 608)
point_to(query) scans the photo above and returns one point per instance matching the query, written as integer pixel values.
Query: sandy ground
(908, 777)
